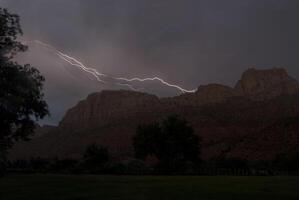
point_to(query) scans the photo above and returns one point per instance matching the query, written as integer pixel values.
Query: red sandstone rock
(251, 121)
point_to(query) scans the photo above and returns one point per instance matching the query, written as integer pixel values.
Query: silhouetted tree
(173, 142)
(232, 163)
(21, 97)
(95, 157)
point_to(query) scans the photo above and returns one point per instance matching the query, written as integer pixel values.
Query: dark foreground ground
(40, 187)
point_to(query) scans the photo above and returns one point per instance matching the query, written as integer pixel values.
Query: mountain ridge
(226, 118)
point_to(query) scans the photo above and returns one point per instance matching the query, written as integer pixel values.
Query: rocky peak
(206, 94)
(102, 107)
(266, 84)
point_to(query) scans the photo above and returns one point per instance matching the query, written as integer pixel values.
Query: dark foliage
(95, 158)
(21, 97)
(39, 164)
(65, 166)
(9, 30)
(282, 165)
(172, 142)
(287, 162)
(229, 163)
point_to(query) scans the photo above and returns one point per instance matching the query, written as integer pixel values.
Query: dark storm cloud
(189, 42)
(215, 39)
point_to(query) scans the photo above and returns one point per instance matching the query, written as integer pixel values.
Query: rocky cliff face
(109, 107)
(266, 84)
(246, 121)
(205, 94)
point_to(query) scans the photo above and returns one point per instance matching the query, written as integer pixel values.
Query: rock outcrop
(266, 84)
(108, 107)
(205, 94)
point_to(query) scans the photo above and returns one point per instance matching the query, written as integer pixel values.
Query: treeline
(168, 148)
(282, 165)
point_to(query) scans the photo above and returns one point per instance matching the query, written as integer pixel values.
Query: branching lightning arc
(102, 77)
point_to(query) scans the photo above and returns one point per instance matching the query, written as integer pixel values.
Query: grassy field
(45, 187)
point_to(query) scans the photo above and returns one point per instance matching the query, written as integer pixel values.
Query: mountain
(255, 120)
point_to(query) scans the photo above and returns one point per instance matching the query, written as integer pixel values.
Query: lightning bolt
(99, 76)
(70, 60)
(156, 79)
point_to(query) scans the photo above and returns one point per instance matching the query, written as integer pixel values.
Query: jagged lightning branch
(156, 79)
(72, 61)
(75, 62)
(84, 69)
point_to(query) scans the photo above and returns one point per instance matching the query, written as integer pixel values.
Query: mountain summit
(266, 84)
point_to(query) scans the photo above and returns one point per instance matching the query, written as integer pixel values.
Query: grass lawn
(44, 187)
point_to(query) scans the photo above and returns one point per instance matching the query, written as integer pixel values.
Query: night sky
(186, 42)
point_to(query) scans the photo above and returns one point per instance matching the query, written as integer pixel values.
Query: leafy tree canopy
(21, 96)
(96, 155)
(171, 141)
